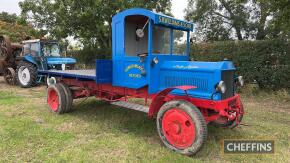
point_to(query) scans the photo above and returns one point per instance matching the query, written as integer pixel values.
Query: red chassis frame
(229, 108)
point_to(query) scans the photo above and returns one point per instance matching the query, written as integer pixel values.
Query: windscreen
(167, 41)
(179, 42)
(161, 40)
(51, 49)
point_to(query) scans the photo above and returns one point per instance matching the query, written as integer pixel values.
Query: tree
(12, 18)
(281, 21)
(89, 21)
(17, 28)
(227, 19)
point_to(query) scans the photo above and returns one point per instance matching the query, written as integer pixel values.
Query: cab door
(135, 61)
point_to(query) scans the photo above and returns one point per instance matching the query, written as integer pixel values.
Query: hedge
(264, 62)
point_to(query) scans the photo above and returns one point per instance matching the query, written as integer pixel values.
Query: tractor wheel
(10, 76)
(26, 74)
(68, 96)
(56, 99)
(222, 122)
(181, 127)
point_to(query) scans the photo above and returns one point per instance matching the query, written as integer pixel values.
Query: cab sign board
(168, 21)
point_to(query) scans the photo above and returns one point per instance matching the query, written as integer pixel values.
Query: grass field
(98, 132)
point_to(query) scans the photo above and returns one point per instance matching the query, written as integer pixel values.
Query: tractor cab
(46, 55)
(142, 41)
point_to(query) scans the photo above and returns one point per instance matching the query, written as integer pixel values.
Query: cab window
(167, 41)
(179, 42)
(160, 40)
(34, 49)
(26, 49)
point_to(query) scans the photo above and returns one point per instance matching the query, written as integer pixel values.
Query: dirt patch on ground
(66, 126)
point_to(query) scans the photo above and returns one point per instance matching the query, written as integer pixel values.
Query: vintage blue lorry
(150, 60)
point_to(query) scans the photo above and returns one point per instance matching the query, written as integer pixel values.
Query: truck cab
(152, 50)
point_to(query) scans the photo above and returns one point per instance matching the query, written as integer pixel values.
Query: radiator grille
(228, 78)
(171, 81)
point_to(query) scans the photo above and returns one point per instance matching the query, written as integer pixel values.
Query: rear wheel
(10, 76)
(26, 74)
(181, 127)
(68, 97)
(56, 98)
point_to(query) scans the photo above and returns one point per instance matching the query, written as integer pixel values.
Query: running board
(132, 106)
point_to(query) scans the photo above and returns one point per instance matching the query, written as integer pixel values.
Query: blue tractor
(40, 54)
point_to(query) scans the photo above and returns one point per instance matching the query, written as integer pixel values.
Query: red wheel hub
(178, 128)
(52, 99)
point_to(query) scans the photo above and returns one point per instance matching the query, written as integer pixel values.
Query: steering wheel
(142, 54)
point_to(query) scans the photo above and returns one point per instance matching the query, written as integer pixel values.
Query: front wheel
(181, 127)
(26, 74)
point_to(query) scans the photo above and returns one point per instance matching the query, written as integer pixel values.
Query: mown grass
(98, 132)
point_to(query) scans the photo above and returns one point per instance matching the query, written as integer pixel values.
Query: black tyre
(26, 74)
(56, 99)
(181, 127)
(68, 96)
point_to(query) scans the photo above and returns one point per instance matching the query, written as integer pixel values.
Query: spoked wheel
(26, 74)
(10, 76)
(181, 127)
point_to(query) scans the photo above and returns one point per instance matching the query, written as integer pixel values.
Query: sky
(11, 6)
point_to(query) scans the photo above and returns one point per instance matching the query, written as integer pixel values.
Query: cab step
(132, 106)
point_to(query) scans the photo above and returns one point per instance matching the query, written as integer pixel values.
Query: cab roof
(157, 18)
(39, 40)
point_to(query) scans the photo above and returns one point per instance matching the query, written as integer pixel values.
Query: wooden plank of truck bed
(79, 74)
